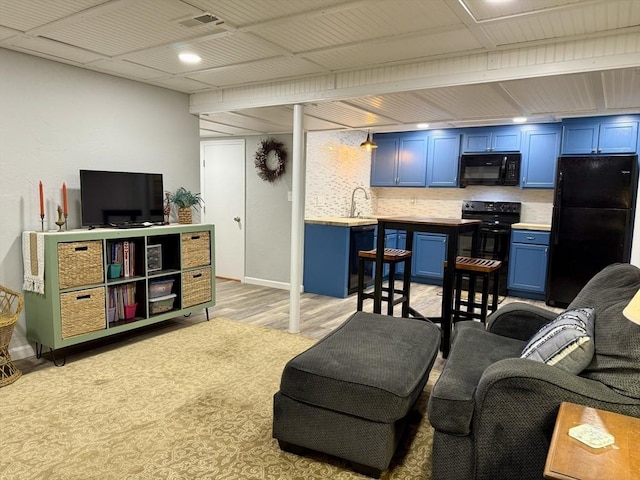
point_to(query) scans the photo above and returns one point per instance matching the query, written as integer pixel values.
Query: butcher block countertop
(544, 227)
(341, 221)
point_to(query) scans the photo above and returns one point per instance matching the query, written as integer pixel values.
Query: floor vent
(199, 20)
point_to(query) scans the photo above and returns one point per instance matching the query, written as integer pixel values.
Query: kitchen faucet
(352, 212)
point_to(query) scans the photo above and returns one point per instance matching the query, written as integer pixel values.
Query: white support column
(297, 218)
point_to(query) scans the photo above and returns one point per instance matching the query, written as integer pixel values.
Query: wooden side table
(569, 459)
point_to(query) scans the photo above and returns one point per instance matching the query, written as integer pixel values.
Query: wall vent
(200, 20)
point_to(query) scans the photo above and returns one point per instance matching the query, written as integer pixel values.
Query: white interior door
(223, 192)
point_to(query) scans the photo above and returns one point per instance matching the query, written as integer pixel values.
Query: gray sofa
(494, 413)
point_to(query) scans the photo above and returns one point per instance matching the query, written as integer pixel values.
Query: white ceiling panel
(27, 14)
(256, 72)
(349, 117)
(218, 52)
(181, 84)
(49, 48)
(257, 125)
(563, 93)
(475, 101)
(360, 24)
(403, 49)
(134, 26)
(590, 18)
(263, 10)
(126, 69)
(405, 108)
(483, 10)
(622, 88)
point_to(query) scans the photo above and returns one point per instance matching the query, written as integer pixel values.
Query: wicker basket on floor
(11, 304)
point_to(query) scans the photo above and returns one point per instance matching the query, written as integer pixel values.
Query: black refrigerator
(592, 223)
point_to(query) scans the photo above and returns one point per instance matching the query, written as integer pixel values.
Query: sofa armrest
(518, 320)
(516, 405)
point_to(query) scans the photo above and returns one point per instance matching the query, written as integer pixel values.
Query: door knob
(236, 219)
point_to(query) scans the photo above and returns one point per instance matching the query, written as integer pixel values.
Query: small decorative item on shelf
(167, 207)
(60, 222)
(185, 200)
(41, 192)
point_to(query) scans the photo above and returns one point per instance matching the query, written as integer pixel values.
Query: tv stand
(87, 297)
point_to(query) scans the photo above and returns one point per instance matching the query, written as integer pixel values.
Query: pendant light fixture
(368, 143)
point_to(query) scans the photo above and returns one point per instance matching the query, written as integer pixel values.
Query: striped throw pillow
(566, 342)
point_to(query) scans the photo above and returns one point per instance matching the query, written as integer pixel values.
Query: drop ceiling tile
(135, 26)
(404, 107)
(25, 15)
(277, 68)
(53, 50)
(227, 49)
(622, 88)
(182, 84)
(403, 49)
(484, 10)
(549, 94)
(470, 101)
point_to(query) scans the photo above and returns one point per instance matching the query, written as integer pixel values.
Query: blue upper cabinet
(540, 149)
(606, 135)
(494, 139)
(442, 159)
(400, 160)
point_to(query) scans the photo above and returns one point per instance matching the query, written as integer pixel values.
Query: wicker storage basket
(196, 287)
(82, 311)
(196, 249)
(185, 216)
(80, 263)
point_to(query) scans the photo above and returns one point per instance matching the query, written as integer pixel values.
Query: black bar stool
(392, 256)
(474, 268)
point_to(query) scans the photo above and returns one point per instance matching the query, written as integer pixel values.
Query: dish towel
(33, 260)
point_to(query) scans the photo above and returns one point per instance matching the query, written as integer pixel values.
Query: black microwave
(490, 169)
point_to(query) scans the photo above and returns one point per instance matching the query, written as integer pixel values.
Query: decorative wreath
(271, 159)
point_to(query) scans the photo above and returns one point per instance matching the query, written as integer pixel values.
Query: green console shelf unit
(107, 281)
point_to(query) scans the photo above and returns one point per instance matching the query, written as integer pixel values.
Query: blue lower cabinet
(326, 260)
(528, 264)
(429, 252)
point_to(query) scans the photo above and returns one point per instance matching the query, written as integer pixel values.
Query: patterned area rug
(193, 403)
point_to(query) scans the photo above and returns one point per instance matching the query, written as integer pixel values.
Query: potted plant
(184, 200)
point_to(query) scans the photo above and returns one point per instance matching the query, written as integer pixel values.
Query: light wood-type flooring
(318, 314)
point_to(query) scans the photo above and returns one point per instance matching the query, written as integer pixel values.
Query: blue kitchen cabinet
(400, 160)
(494, 139)
(600, 136)
(540, 150)
(442, 159)
(429, 251)
(326, 259)
(527, 276)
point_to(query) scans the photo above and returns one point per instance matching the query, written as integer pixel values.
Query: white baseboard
(269, 283)
(22, 351)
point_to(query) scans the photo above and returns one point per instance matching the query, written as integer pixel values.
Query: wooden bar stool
(392, 256)
(473, 268)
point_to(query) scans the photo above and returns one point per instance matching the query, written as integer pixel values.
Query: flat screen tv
(120, 198)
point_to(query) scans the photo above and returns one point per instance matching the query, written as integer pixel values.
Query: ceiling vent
(200, 20)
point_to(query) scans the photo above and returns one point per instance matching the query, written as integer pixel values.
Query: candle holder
(42, 222)
(60, 222)
(66, 225)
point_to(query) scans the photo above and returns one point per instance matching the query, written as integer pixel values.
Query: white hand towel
(33, 261)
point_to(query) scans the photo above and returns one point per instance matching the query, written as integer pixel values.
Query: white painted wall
(56, 119)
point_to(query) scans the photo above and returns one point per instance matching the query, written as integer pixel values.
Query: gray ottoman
(350, 393)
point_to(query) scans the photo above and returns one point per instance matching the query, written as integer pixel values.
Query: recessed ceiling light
(189, 58)
(519, 119)
(422, 125)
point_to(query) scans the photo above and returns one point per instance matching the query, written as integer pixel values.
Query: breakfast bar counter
(452, 227)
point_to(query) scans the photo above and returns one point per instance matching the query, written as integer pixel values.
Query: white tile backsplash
(336, 165)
